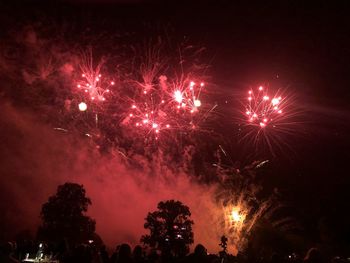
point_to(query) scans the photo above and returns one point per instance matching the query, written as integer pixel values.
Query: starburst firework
(267, 119)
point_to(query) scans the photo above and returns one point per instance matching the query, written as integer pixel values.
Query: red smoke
(35, 159)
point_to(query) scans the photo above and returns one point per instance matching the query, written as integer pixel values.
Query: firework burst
(187, 96)
(171, 107)
(93, 92)
(166, 97)
(263, 110)
(243, 206)
(239, 206)
(91, 81)
(268, 117)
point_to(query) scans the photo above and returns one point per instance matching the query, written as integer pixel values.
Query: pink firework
(187, 97)
(268, 118)
(150, 119)
(167, 107)
(91, 80)
(264, 109)
(94, 85)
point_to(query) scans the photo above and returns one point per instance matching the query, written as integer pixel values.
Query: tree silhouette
(63, 216)
(223, 244)
(170, 228)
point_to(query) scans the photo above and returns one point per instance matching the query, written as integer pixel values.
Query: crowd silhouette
(67, 235)
(29, 251)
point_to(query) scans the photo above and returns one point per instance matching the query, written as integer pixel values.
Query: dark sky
(304, 45)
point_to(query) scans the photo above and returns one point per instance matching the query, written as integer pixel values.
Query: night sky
(301, 45)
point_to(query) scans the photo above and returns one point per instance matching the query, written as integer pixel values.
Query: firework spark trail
(237, 197)
(92, 82)
(243, 207)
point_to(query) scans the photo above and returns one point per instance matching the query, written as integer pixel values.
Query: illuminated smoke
(121, 195)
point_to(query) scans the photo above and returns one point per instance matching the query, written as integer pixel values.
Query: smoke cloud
(35, 159)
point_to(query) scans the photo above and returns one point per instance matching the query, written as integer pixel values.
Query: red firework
(166, 107)
(93, 84)
(264, 109)
(91, 80)
(268, 117)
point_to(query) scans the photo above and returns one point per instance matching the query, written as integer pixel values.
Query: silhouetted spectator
(81, 254)
(114, 256)
(275, 258)
(138, 255)
(61, 251)
(6, 252)
(153, 257)
(104, 255)
(124, 255)
(199, 255)
(313, 256)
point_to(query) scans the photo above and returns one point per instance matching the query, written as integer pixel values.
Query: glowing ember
(236, 215)
(82, 106)
(275, 101)
(178, 96)
(197, 103)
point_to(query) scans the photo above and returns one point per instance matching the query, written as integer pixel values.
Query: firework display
(161, 106)
(155, 103)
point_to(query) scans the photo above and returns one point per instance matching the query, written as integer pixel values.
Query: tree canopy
(170, 228)
(63, 215)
